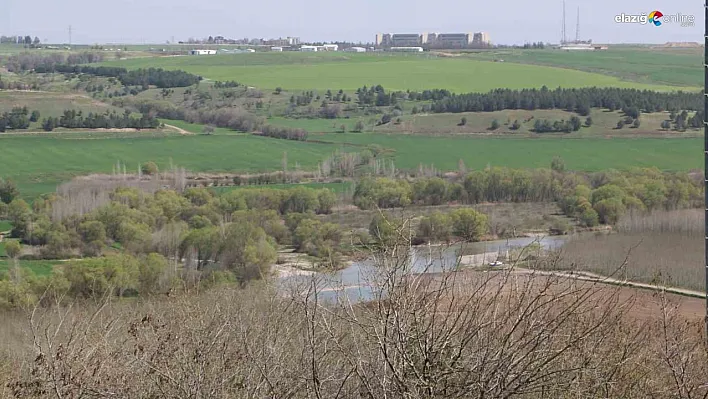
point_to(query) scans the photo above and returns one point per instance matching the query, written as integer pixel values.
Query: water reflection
(354, 282)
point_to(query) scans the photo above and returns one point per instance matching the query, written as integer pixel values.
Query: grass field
(5, 225)
(39, 163)
(298, 71)
(604, 123)
(195, 128)
(38, 267)
(589, 154)
(672, 66)
(51, 103)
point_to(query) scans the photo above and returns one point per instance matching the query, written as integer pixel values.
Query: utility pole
(705, 150)
(69, 36)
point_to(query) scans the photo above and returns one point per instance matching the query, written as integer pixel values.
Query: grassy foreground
(297, 71)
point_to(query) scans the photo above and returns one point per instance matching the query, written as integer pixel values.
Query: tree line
(592, 198)
(234, 118)
(43, 62)
(72, 119)
(235, 235)
(546, 126)
(137, 77)
(463, 224)
(575, 100)
(17, 118)
(375, 95)
(26, 40)
(427, 95)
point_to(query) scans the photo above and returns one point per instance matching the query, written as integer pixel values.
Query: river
(353, 281)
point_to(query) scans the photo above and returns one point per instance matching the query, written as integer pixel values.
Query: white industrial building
(326, 47)
(356, 49)
(202, 52)
(276, 49)
(407, 49)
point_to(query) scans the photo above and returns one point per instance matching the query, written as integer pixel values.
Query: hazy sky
(507, 21)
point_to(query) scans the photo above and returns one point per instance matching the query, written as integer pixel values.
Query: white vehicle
(496, 263)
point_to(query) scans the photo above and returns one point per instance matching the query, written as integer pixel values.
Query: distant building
(433, 40)
(453, 40)
(329, 47)
(308, 48)
(293, 41)
(407, 49)
(250, 50)
(481, 39)
(428, 38)
(277, 49)
(202, 52)
(356, 49)
(405, 40)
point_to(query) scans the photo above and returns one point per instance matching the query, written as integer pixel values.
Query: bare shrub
(453, 334)
(85, 193)
(668, 249)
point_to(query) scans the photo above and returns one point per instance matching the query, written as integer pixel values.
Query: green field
(604, 123)
(5, 225)
(588, 154)
(51, 103)
(672, 66)
(298, 71)
(38, 163)
(38, 267)
(195, 128)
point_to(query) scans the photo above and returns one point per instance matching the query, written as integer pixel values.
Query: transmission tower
(69, 36)
(563, 28)
(577, 27)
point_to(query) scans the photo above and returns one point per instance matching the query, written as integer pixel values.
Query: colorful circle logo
(655, 17)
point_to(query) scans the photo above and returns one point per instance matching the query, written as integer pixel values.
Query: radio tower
(69, 36)
(577, 28)
(563, 30)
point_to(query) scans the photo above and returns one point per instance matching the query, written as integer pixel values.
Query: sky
(506, 21)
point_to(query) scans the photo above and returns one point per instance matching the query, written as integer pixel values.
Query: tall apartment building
(453, 40)
(433, 40)
(405, 40)
(428, 38)
(481, 39)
